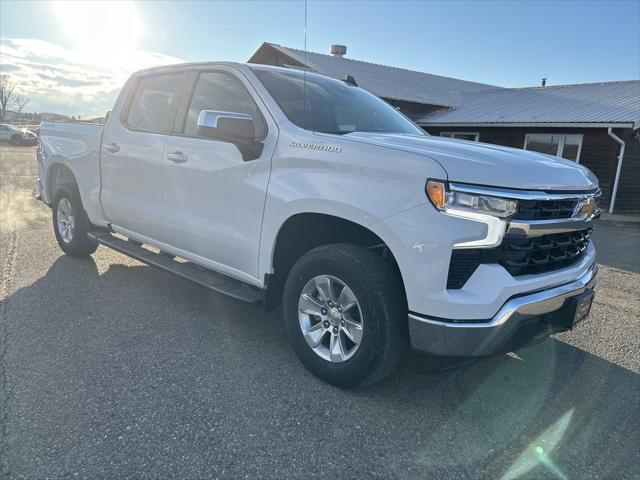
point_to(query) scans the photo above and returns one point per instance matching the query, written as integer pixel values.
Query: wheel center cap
(334, 316)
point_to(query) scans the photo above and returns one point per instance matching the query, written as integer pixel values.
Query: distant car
(17, 136)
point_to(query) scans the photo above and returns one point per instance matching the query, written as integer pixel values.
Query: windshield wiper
(337, 132)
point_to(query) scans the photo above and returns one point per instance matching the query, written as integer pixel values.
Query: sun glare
(100, 26)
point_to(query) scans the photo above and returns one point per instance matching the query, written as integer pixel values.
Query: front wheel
(345, 314)
(70, 223)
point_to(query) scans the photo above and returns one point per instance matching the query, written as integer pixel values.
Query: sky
(72, 57)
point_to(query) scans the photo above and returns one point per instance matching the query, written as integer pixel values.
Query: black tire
(80, 244)
(378, 290)
(16, 139)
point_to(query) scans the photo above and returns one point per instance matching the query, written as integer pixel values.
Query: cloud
(71, 82)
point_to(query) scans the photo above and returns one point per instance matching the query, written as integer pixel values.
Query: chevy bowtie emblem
(585, 208)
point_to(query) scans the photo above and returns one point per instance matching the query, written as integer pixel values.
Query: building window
(561, 145)
(471, 136)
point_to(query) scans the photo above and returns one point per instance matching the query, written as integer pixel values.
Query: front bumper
(521, 320)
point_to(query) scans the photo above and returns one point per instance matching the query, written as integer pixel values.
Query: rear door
(132, 154)
(213, 200)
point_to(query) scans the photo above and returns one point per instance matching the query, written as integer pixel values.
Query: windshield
(332, 106)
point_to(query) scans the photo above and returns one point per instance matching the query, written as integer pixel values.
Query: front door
(132, 155)
(213, 200)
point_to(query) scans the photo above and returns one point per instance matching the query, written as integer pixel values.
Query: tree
(7, 88)
(9, 98)
(20, 101)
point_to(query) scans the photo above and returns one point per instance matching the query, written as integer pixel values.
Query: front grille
(521, 256)
(545, 209)
(545, 253)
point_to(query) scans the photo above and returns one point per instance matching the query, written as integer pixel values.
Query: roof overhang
(530, 125)
(394, 99)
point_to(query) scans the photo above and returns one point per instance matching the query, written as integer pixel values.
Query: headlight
(450, 200)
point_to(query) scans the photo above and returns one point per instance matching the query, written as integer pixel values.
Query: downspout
(614, 192)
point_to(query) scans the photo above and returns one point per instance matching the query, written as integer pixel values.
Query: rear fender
(86, 183)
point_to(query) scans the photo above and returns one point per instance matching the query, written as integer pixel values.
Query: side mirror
(231, 127)
(225, 126)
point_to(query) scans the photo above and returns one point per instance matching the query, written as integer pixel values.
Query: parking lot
(112, 369)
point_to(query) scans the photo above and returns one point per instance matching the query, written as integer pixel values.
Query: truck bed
(70, 137)
(76, 146)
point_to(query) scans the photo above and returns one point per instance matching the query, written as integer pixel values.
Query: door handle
(177, 157)
(112, 147)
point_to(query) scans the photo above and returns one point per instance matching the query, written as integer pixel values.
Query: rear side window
(224, 93)
(151, 108)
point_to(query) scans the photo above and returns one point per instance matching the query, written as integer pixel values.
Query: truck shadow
(548, 411)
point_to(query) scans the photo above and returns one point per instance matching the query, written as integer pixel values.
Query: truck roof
(188, 65)
(239, 65)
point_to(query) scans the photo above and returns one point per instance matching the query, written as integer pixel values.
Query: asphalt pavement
(112, 369)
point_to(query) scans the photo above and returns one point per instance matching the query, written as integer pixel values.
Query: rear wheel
(345, 314)
(70, 223)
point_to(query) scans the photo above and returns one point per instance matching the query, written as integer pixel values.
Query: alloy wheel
(66, 220)
(330, 318)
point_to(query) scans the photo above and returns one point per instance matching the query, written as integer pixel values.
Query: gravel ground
(112, 369)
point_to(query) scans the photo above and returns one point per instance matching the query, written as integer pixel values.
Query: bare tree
(7, 88)
(20, 101)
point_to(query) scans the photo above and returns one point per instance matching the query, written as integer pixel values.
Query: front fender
(363, 186)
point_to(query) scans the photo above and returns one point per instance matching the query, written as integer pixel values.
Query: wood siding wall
(628, 198)
(599, 152)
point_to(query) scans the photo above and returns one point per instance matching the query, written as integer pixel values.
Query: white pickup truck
(278, 185)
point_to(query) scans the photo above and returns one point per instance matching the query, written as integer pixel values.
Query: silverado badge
(315, 146)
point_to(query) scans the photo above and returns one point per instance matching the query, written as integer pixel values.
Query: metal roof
(609, 102)
(387, 82)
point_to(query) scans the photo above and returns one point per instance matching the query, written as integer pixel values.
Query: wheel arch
(304, 231)
(58, 174)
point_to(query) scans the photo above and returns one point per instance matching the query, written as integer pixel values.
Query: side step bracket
(207, 278)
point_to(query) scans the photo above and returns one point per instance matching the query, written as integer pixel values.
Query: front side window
(561, 145)
(473, 137)
(222, 92)
(322, 104)
(152, 105)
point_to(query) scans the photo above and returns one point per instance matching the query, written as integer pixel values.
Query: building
(415, 93)
(597, 125)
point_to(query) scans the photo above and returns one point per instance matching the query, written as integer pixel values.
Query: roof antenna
(304, 82)
(350, 80)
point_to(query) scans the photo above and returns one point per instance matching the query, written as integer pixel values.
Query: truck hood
(485, 164)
